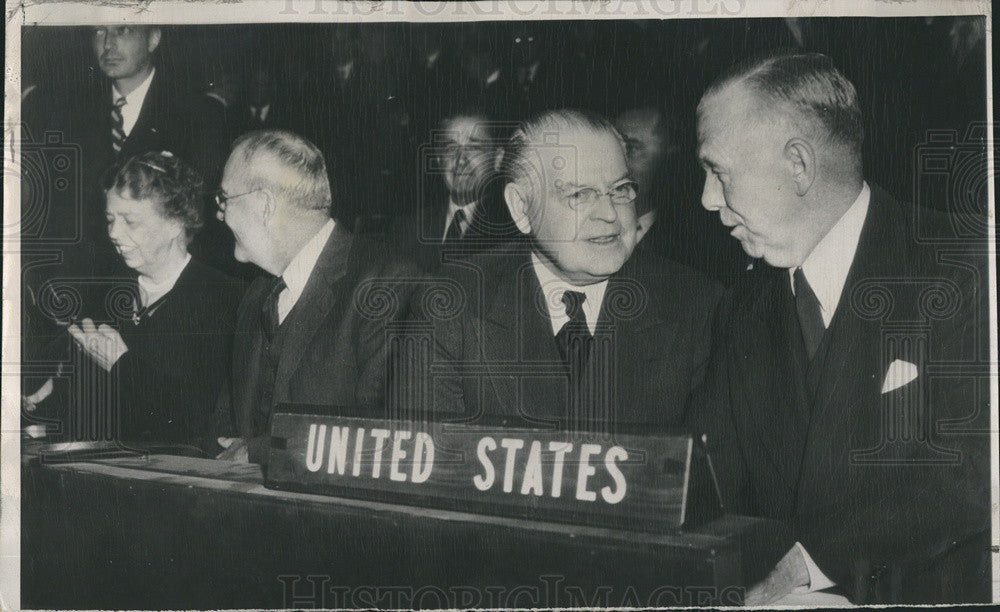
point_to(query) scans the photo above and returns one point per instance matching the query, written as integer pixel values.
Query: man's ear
(153, 39)
(802, 158)
(517, 204)
(269, 206)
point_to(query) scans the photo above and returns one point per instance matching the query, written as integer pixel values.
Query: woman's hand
(104, 344)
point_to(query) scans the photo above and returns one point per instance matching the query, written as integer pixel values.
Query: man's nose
(604, 209)
(711, 194)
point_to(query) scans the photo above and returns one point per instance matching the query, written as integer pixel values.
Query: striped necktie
(117, 125)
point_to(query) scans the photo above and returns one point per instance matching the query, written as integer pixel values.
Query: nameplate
(623, 481)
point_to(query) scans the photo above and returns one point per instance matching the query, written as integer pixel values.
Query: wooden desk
(173, 532)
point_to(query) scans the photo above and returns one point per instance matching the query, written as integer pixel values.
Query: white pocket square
(900, 373)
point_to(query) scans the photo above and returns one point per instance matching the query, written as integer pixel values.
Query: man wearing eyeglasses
(313, 330)
(566, 326)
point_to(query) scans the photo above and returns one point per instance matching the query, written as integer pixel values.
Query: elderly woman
(170, 348)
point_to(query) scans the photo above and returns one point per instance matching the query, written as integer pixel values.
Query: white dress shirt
(133, 102)
(469, 210)
(260, 112)
(297, 274)
(828, 264)
(826, 270)
(553, 288)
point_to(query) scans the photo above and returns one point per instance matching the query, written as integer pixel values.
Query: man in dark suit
(139, 109)
(842, 395)
(567, 327)
(461, 211)
(313, 331)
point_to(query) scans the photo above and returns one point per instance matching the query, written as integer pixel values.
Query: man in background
(309, 332)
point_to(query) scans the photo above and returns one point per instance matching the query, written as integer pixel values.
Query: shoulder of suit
(670, 280)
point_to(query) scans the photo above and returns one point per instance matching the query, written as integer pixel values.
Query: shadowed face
(124, 51)
(581, 209)
(467, 157)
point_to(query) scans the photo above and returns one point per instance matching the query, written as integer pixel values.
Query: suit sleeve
(709, 413)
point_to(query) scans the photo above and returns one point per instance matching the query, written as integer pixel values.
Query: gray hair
(300, 175)
(515, 164)
(823, 100)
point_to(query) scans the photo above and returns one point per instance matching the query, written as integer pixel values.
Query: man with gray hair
(821, 403)
(566, 327)
(304, 333)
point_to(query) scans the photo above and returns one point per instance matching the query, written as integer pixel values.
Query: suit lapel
(321, 293)
(518, 344)
(849, 358)
(144, 133)
(768, 375)
(247, 357)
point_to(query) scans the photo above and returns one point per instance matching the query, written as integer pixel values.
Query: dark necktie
(574, 338)
(117, 124)
(269, 311)
(808, 308)
(454, 233)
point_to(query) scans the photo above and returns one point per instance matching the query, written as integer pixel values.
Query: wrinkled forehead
(582, 157)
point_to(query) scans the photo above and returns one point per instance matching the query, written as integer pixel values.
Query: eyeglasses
(222, 200)
(620, 194)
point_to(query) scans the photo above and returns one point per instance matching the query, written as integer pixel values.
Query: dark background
(913, 75)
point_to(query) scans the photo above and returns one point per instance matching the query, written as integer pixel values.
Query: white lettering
(314, 448)
(533, 471)
(560, 449)
(484, 481)
(380, 435)
(359, 441)
(398, 454)
(615, 453)
(339, 439)
(423, 458)
(512, 445)
(585, 471)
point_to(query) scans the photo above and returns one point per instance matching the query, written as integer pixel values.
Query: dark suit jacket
(178, 359)
(333, 342)
(190, 126)
(881, 488)
(418, 236)
(495, 356)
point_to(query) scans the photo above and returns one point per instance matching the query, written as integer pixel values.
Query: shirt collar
(828, 264)
(553, 288)
(300, 268)
(154, 291)
(136, 97)
(469, 210)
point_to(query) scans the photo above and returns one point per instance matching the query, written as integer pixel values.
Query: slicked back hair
(822, 100)
(294, 168)
(534, 133)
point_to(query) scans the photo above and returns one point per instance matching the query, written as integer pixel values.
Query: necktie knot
(120, 101)
(454, 232)
(573, 300)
